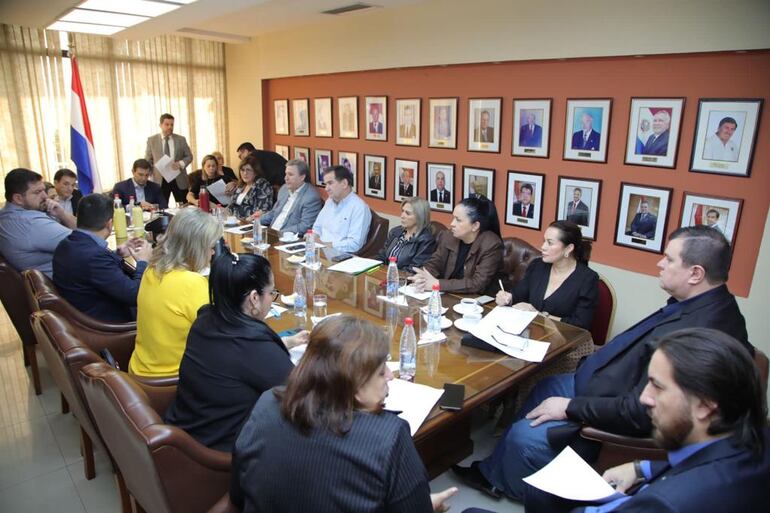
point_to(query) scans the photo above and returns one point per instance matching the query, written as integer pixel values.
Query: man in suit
(604, 390)
(586, 138)
(644, 223)
(174, 146)
(440, 194)
(405, 187)
(66, 194)
(145, 193)
(89, 275)
(484, 133)
(298, 202)
(577, 211)
(657, 143)
(524, 207)
(408, 128)
(273, 164)
(712, 219)
(375, 125)
(375, 177)
(530, 133)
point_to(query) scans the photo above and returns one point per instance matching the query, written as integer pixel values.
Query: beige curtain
(127, 85)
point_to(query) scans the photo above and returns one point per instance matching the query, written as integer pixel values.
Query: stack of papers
(414, 401)
(411, 291)
(217, 189)
(275, 311)
(398, 300)
(570, 477)
(166, 167)
(498, 329)
(240, 230)
(355, 265)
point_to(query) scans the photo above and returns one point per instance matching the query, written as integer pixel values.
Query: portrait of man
(587, 138)
(478, 185)
(644, 223)
(281, 118)
(720, 145)
(484, 132)
(375, 123)
(323, 117)
(347, 109)
(322, 162)
(375, 176)
(300, 117)
(657, 142)
(577, 211)
(407, 128)
(440, 194)
(530, 133)
(712, 219)
(442, 128)
(523, 207)
(405, 186)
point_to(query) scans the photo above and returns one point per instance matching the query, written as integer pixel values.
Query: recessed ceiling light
(137, 7)
(88, 28)
(103, 18)
(184, 2)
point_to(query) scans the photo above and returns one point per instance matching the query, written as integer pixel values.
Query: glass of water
(319, 305)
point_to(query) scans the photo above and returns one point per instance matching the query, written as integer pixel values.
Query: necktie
(166, 149)
(524, 211)
(585, 139)
(574, 206)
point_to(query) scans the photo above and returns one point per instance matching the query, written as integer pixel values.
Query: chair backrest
(375, 239)
(164, 468)
(436, 228)
(760, 360)
(14, 300)
(604, 314)
(517, 254)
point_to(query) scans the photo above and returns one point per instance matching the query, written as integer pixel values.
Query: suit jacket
(375, 128)
(303, 212)
(182, 152)
(446, 196)
(529, 139)
(405, 190)
(646, 227)
(414, 253)
(273, 166)
(375, 182)
(407, 131)
(483, 264)
(581, 213)
(517, 210)
(657, 147)
(152, 192)
(484, 135)
(591, 144)
(95, 280)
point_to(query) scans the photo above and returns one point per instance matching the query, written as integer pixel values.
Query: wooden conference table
(444, 438)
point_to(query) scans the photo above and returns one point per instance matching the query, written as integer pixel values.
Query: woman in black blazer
(412, 243)
(560, 283)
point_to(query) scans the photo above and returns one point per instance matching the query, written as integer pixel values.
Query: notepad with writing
(355, 265)
(413, 400)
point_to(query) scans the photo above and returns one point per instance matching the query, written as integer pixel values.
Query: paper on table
(513, 345)
(165, 166)
(240, 230)
(570, 477)
(217, 189)
(355, 265)
(430, 338)
(400, 300)
(410, 291)
(296, 353)
(413, 400)
(393, 366)
(315, 320)
(296, 247)
(275, 308)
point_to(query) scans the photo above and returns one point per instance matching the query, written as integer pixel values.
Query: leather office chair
(164, 468)
(375, 239)
(604, 314)
(436, 228)
(517, 254)
(14, 300)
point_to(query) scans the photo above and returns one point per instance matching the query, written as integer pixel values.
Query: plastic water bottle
(407, 351)
(310, 249)
(392, 279)
(434, 310)
(300, 294)
(130, 211)
(203, 200)
(116, 202)
(257, 231)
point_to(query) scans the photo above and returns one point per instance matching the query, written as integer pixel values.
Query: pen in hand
(502, 289)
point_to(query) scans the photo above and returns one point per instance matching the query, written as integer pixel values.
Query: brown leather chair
(14, 300)
(604, 314)
(375, 239)
(517, 254)
(164, 468)
(436, 228)
(618, 449)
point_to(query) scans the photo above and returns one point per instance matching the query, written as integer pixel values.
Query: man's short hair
(246, 146)
(17, 181)
(706, 247)
(340, 173)
(301, 165)
(712, 211)
(528, 187)
(62, 173)
(166, 116)
(142, 164)
(728, 119)
(94, 210)
(577, 189)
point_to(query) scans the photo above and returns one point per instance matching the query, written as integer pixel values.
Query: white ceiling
(219, 20)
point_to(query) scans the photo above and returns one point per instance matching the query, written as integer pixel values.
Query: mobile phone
(482, 300)
(453, 398)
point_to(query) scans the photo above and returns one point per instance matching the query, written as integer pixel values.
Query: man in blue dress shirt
(344, 220)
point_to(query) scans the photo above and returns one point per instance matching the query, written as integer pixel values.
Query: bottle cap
(392, 259)
(310, 230)
(408, 321)
(436, 286)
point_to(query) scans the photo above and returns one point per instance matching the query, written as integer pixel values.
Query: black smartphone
(453, 398)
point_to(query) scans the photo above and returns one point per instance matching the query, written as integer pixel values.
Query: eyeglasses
(274, 295)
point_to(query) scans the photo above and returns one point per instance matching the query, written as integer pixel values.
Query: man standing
(31, 224)
(484, 133)
(644, 223)
(273, 164)
(530, 133)
(66, 194)
(523, 207)
(587, 138)
(440, 194)
(657, 143)
(577, 211)
(92, 277)
(298, 202)
(719, 146)
(344, 220)
(145, 193)
(175, 147)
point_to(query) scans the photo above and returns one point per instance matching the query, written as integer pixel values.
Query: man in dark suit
(657, 143)
(440, 194)
(174, 146)
(643, 224)
(577, 211)
(92, 277)
(375, 125)
(375, 177)
(530, 133)
(273, 164)
(484, 133)
(145, 193)
(66, 194)
(604, 390)
(405, 187)
(587, 138)
(524, 207)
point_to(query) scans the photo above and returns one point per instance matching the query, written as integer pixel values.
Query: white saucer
(462, 311)
(445, 322)
(229, 225)
(464, 325)
(424, 310)
(288, 241)
(287, 300)
(296, 259)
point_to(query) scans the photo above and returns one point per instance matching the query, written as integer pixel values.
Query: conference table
(444, 438)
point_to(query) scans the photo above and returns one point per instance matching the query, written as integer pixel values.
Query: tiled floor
(41, 469)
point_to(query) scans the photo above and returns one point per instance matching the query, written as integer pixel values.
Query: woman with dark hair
(468, 256)
(324, 443)
(560, 282)
(232, 356)
(209, 173)
(253, 193)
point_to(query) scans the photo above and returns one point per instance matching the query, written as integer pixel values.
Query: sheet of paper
(296, 353)
(570, 477)
(315, 320)
(165, 166)
(413, 400)
(217, 189)
(399, 300)
(410, 291)
(295, 247)
(496, 327)
(431, 338)
(393, 366)
(275, 308)
(355, 265)
(240, 230)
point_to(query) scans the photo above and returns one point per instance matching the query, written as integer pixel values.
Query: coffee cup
(469, 305)
(231, 220)
(472, 317)
(288, 235)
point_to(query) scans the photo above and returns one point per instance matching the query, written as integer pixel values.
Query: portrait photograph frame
(283, 150)
(447, 204)
(303, 153)
(369, 162)
(523, 141)
(323, 117)
(413, 166)
(643, 146)
(442, 131)
(592, 148)
(321, 157)
(634, 233)
(477, 178)
(349, 159)
(589, 191)
(516, 180)
(407, 135)
(281, 116)
(697, 207)
(372, 288)
(380, 131)
(347, 114)
(710, 154)
(478, 136)
(300, 122)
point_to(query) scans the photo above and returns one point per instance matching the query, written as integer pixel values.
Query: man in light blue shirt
(344, 220)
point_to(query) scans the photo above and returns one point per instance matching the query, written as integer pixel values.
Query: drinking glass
(319, 305)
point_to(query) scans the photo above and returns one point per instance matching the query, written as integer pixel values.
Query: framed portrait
(302, 153)
(524, 199)
(587, 129)
(653, 131)
(484, 124)
(579, 203)
(725, 135)
(323, 117)
(531, 128)
(478, 181)
(443, 123)
(722, 214)
(323, 159)
(347, 110)
(374, 176)
(299, 113)
(441, 179)
(349, 159)
(372, 289)
(642, 216)
(408, 121)
(405, 178)
(281, 113)
(282, 150)
(377, 118)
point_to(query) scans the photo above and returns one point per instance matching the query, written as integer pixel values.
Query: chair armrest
(631, 442)
(160, 391)
(224, 505)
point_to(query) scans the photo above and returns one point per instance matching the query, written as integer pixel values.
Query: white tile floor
(41, 469)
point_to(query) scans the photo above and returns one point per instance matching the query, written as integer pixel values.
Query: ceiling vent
(218, 36)
(347, 9)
